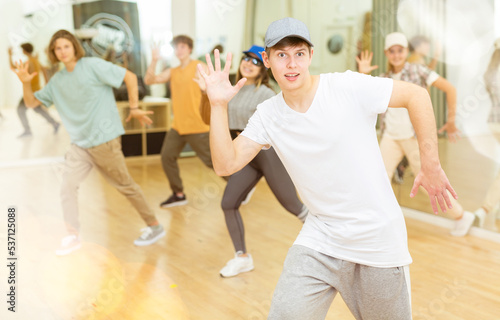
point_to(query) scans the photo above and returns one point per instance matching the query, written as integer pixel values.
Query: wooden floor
(178, 278)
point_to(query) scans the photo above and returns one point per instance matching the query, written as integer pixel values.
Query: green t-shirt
(85, 101)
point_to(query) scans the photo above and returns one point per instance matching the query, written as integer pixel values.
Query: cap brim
(259, 56)
(395, 44)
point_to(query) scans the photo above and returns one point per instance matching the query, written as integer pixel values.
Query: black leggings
(266, 164)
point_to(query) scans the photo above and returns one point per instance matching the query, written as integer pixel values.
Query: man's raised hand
(365, 62)
(219, 89)
(155, 51)
(451, 130)
(201, 83)
(21, 70)
(436, 184)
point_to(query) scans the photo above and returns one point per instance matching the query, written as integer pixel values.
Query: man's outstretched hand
(21, 70)
(219, 89)
(140, 115)
(437, 185)
(365, 62)
(451, 130)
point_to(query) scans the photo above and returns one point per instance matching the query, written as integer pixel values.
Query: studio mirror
(465, 52)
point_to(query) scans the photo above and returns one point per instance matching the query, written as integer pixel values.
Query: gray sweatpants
(310, 280)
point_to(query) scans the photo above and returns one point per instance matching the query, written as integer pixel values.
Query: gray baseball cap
(286, 27)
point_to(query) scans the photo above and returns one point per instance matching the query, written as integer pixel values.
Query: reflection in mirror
(35, 22)
(463, 49)
(471, 163)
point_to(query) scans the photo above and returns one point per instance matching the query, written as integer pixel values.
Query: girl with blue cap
(266, 164)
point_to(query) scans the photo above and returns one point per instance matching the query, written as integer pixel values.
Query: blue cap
(257, 51)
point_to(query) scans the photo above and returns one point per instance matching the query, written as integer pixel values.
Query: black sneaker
(173, 201)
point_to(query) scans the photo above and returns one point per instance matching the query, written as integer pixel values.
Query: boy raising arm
(323, 129)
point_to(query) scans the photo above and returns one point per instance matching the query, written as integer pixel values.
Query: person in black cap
(323, 129)
(265, 164)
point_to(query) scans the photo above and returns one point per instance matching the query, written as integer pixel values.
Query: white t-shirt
(397, 120)
(332, 155)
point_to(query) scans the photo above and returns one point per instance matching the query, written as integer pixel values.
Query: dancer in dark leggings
(34, 67)
(265, 164)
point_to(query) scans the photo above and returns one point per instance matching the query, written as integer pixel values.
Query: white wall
(267, 12)
(15, 29)
(220, 22)
(327, 18)
(184, 17)
(155, 19)
(324, 18)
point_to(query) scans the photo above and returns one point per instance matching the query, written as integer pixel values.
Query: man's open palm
(219, 89)
(21, 70)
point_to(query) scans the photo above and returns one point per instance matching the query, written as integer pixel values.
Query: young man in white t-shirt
(323, 129)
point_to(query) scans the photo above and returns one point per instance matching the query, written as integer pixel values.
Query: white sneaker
(248, 197)
(486, 219)
(237, 265)
(481, 216)
(150, 235)
(463, 224)
(69, 244)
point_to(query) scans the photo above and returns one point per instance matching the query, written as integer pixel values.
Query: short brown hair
(79, 52)
(182, 39)
(28, 47)
(288, 42)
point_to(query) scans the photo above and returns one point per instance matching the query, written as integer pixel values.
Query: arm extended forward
(228, 156)
(25, 77)
(431, 176)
